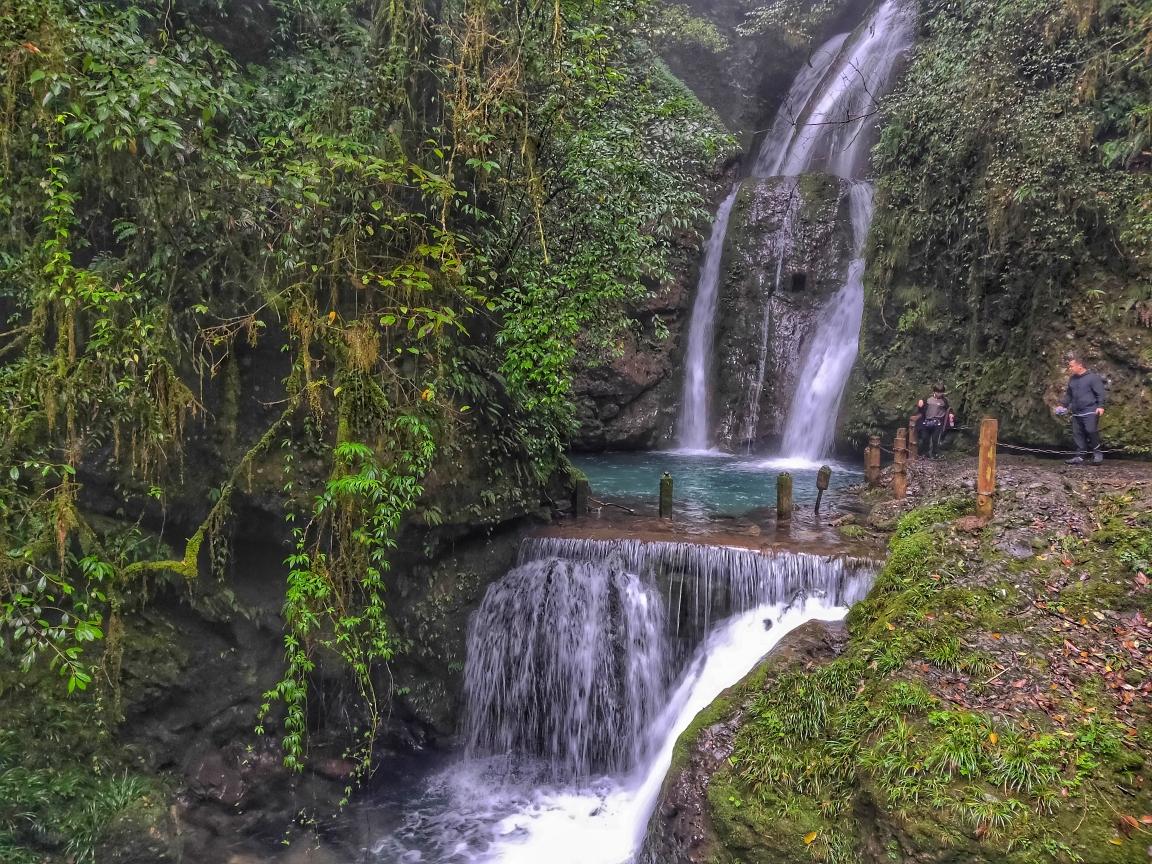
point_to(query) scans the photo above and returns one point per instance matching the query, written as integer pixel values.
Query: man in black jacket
(932, 421)
(1084, 400)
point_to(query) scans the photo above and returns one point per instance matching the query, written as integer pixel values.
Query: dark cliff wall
(1012, 223)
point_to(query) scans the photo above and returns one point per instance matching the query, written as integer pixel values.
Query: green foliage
(59, 790)
(432, 211)
(335, 595)
(674, 24)
(818, 742)
(975, 182)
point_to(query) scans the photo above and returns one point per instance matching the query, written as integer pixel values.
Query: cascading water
(586, 641)
(834, 133)
(811, 423)
(825, 124)
(694, 425)
(830, 126)
(579, 649)
(694, 432)
(703, 584)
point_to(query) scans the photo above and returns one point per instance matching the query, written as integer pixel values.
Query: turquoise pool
(711, 484)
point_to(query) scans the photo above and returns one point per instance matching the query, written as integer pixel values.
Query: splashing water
(566, 664)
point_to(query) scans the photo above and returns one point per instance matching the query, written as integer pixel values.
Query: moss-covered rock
(787, 251)
(681, 829)
(1012, 221)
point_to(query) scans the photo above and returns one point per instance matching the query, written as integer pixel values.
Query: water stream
(585, 663)
(708, 485)
(811, 424)
(694, 429)
(834, 133)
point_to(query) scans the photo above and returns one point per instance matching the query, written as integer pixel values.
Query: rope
(1000, 444)
(1053, 452)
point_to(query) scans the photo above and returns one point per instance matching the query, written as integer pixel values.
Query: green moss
(861, 752)
(853, 532)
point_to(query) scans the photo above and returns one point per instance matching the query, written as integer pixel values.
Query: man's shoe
(1075, 460)
(1097, 458)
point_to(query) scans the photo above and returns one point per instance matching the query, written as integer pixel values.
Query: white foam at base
(603, 821)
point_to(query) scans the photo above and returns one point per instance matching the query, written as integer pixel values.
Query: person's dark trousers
(938, 440)
(1086, 434)
(929, 439)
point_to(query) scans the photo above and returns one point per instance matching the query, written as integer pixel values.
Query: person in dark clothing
(932, 421)
(1084, 401)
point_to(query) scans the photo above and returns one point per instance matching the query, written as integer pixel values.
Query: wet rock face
(788, 248)
(631, 402)
(787, 251)
(680, 830)
(1002, 380)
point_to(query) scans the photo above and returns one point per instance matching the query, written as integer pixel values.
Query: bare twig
(613, 504)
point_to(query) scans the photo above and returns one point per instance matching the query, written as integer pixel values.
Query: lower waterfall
(585, 663)
(567, 663)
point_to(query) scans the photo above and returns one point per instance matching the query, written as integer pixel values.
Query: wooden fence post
(872, 462)
(783, 498)
(986, 467)
(580, 497)
(900, 466)
(913, 441)
(666, 496)
(823, 477)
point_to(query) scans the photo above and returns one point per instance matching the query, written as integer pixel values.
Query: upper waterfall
(834, 134)
(829, 126)
(826, 124)
(694, 429)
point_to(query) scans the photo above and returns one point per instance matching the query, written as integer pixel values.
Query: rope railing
(1047, 451)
